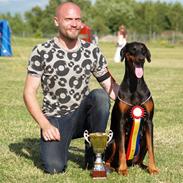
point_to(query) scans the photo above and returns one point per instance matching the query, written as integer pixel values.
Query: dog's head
(135, 54)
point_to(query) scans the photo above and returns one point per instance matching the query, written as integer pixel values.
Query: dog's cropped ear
(122, 53)
(148, 54)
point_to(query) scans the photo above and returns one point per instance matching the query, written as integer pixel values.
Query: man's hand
(32, 83)
(50, 132)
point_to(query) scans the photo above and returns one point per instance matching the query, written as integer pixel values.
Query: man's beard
(70, 36)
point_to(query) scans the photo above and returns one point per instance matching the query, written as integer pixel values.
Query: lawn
(19, 134)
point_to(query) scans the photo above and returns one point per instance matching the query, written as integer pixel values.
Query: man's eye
(68, 19)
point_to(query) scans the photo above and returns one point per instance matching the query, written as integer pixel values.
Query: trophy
(98, 141)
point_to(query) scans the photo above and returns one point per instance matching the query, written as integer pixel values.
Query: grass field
(19, 134)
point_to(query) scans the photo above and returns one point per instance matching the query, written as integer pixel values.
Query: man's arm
(32, 83)
(111, 87)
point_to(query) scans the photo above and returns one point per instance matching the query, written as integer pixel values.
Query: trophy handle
(110, 135)
(86, 136)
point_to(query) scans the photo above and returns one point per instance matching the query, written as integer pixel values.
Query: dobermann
(133, 91)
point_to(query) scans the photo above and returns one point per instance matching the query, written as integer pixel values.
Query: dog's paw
(123, 172)
(153, 170)
(108, 168)
(142, 166)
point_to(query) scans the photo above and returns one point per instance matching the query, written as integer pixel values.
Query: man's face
(68, 20)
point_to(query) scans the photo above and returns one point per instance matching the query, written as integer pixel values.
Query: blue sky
(20, 6)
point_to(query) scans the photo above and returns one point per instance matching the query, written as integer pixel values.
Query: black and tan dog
(133, 91)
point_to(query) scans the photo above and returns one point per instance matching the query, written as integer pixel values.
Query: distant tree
(115, 12)
(104, 17)
(163, 19)
(41, 21)
(33, 18)
(146, 18)
(176, 15)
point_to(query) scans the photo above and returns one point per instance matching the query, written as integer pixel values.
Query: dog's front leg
(123, 169)
(110, 156)
(149, 138)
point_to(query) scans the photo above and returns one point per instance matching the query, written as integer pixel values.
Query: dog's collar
(132, 104)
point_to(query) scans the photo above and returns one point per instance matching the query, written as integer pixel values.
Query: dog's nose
(140, 58)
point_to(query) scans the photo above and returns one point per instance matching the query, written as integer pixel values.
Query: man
(63, 66)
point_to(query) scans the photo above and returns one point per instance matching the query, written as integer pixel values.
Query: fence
(169, 37)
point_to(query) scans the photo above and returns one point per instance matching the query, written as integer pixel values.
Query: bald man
(63, 66)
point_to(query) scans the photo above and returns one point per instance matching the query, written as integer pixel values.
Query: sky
(20, 6)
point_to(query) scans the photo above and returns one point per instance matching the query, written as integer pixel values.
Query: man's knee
(100, 97)
(53, 167)
(100, 111)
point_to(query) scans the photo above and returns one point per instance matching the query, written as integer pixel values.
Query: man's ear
(123, 52)
(56, 21)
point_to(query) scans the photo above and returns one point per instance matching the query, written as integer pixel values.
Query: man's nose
(74, 23)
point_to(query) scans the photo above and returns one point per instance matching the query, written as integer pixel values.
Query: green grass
(19, 134)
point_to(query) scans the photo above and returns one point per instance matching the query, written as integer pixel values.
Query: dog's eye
(143, 51)
(134, 49)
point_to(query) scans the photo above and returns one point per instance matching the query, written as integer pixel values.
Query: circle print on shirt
(63, 95)
(87, 65)
(75, 82)
(74, 55)
(48, 56)
(60, 67)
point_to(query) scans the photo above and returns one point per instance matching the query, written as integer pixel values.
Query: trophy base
(98, 174)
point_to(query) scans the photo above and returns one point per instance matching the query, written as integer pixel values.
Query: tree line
(104, 17)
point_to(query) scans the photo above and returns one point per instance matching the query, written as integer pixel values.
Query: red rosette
(137, 112)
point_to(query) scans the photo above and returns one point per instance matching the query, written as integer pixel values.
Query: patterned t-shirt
(65, 74)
